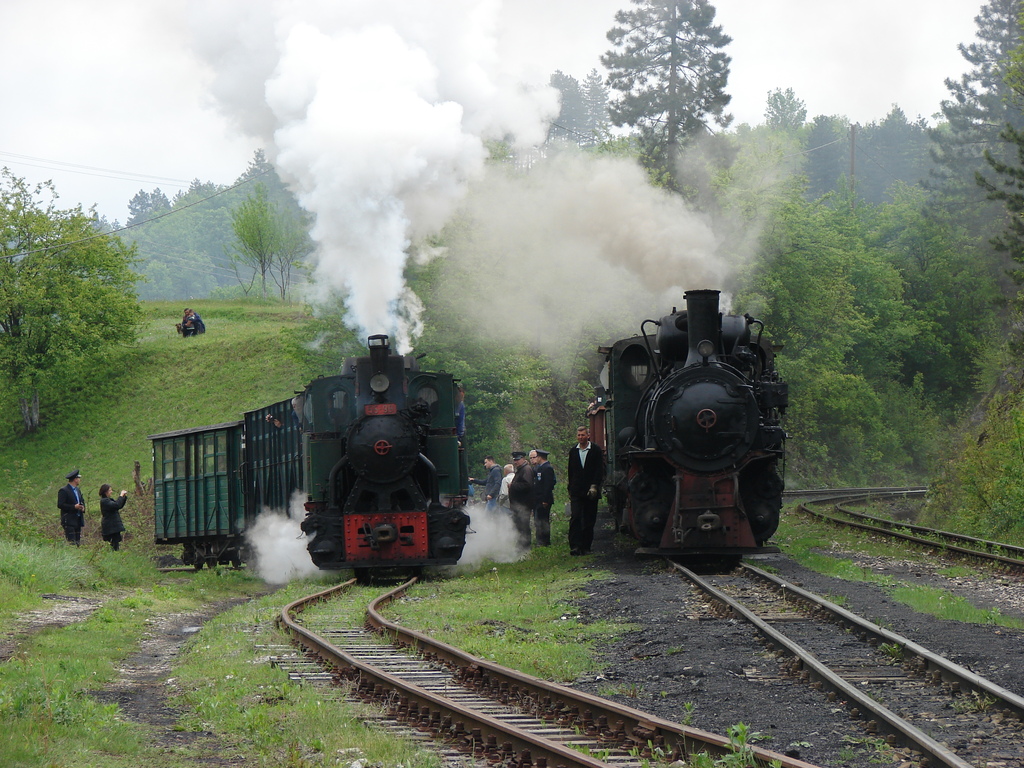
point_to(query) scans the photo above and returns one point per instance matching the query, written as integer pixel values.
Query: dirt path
(141, 689)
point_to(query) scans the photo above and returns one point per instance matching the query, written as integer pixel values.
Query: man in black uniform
(545, 494)
(72, 508)
(586, 475)
(520, 497)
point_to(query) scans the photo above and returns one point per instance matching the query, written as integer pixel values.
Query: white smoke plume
(376, 115)
(279, 545)
(491, 536)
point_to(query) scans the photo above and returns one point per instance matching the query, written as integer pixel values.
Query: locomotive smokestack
(703, 325)
(380, 350)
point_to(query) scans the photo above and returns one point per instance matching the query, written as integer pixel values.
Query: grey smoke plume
(376, 114)
(579, 241)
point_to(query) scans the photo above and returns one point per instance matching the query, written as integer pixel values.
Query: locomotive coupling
(382, 533)
(708, 522)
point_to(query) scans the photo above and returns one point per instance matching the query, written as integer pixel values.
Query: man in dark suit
(521, 497)
(545, 496)
(72, 508)
(586, 475)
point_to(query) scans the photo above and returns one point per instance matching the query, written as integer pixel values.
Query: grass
(807, 540)
(519, 615)
(49, 717)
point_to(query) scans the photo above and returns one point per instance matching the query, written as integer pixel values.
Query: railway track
(498, 715)
(1000, 555)
(945, 714)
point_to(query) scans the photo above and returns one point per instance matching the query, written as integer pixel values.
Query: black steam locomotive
(371, 455)
(691, 424)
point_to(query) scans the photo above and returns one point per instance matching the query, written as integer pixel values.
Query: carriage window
(179, 458)
(167, 458)
(209, 455)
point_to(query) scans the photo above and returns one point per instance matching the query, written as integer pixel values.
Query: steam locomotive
(691, 424)
(371, 456)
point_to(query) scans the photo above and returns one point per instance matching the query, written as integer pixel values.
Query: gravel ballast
(684, 665)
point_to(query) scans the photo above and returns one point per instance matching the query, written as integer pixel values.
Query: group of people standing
(71, 504)
(526, 488)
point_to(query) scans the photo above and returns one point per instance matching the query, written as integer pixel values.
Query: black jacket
(545, 488)
(66, 500)
(111, 509)
(520, 490)
(582, 476)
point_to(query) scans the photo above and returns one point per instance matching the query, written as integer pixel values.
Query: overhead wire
(90, 170)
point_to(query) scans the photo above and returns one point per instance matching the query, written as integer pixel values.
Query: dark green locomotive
(371, 456)
(691, 420)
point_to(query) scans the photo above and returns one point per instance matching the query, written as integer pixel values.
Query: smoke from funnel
(376, 115)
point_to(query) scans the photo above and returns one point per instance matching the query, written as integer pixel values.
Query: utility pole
(853, 166)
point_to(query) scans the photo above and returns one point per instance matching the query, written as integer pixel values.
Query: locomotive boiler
(370, 455)
(691, 422)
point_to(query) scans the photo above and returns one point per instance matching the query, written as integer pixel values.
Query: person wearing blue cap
(544, 491)
(72, 508)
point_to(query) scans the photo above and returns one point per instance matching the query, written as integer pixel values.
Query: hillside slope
(246, 359)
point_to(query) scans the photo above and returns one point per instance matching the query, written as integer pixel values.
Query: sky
(108, 97)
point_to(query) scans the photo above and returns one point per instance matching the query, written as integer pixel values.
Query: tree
(893, 150)
(66, 292)
(784, 111)
(571, 123)
(595, 100)
(267, 239)
(1007, 163)
(982, 104)
(146, 205)
(669, 68)
(828, 154)
(256, 237)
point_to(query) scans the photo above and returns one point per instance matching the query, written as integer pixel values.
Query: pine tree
(571, 123)
(671, 72)
(980, 107)
(595, 97)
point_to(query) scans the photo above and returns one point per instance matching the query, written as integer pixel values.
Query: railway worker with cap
(585, 477)
(545, 495)
(72, 508)
(520, 497)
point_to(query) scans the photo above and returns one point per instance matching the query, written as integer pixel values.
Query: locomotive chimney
(380, 350)
(704, 329)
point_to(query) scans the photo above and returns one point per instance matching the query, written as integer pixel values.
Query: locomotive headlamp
(705, 348)
(379, 383)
